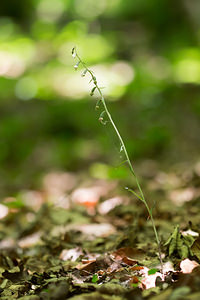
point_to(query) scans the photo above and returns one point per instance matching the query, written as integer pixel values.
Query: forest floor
(89, 239)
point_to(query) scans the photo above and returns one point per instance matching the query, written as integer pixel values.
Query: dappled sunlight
(58, 183)
(108, 205)
(33, 199)
(168, 180)
(26, 88)
(50, 11)
(96, 230)
(7, 243)
(159, 67)
(90, 196)
(3, 211)
(69, 85)
(11, 65)
(89, 8)
(187, 67)
(30, 240)
(182, 195)
(113, 78)
(95, 48)
(71, 254)
(188, 70)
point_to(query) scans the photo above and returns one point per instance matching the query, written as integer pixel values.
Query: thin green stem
(153, 225)
(141, 196)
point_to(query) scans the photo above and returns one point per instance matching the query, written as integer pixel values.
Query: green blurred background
(145, 53)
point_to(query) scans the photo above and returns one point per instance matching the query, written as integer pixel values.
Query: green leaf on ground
(95, 278)
(179, 244)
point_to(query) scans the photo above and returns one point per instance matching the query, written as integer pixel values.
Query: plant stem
(141, 196)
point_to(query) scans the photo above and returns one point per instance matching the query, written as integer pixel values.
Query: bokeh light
(146, 58)
(26, 88)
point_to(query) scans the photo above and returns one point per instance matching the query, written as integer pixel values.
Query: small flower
(76, 65)
(98, 104)
(94, 80)
(84, 73)
(92, 91)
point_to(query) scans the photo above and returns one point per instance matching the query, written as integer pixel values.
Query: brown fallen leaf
(129, 261)
(88, 267)
(129, 253)
(136, 268)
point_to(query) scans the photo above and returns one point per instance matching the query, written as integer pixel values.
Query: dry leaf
(188, 265)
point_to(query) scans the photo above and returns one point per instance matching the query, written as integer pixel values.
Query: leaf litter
(77, 239)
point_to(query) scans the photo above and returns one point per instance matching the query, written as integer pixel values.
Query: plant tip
(73, 52)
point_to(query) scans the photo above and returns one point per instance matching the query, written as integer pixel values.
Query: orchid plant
(105, 117)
